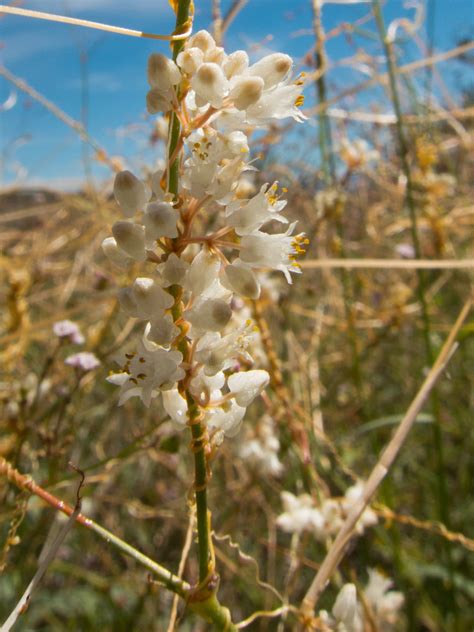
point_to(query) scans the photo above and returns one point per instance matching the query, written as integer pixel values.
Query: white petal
(247, 385)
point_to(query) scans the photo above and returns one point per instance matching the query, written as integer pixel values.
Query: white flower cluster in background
(260, 449)
(301, 513)
(216, 97)
(381, 606)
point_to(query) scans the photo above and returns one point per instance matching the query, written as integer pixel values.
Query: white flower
(247, 385)
(354, 494)
(205, 387)
(147, 371)
(278, 251)
(227, 417)
(384, 602)
(226, 180)
(280, 102)
(300, 514)
(345, 607)
(131, 194)
(130, 238)
(217, 352)
(68, 330)
(160, 221)
(85, 361)
(247, 216)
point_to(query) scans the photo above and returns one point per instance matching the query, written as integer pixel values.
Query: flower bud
(113, 252)
(130, 238)
(163, 331)
(190, 59)
(127, 302)
(130, 193)
(215, 55)
(242, 281)
(162, 72)
(150, 298)
(210, 315)
(272, 68)
(158, 101)
(246, 92)
(160, 221)
(236, 64)
(173, 270)
(202, 40)
(210, 84)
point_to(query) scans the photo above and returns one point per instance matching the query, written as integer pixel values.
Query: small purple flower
(405, 250)
(68, 329)
(85, 361)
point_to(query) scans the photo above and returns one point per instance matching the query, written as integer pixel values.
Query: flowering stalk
(191, 352)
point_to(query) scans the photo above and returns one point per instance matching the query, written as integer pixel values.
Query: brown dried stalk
(381, 469)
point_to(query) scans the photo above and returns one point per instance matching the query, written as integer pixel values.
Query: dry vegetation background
(348, 346)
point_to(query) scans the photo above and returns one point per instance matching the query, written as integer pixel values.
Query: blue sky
(47, 55)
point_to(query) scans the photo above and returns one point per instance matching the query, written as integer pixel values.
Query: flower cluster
(192, 346)
(301, 514)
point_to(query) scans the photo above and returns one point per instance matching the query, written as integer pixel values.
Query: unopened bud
(113, 252)
(242, 280)
(130, 193)
(190, 59)
(157, 101)
(130, 238)
(272, 68)
(202, 40)
(160, 221)
(162, 72)
(150, 297)
(236, 63)
(210, 315)
(246, 92)
(210, 84)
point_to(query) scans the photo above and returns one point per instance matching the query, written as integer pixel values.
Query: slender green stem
(166, 577)
(200, 482)
(443, 499)
(182, 16)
